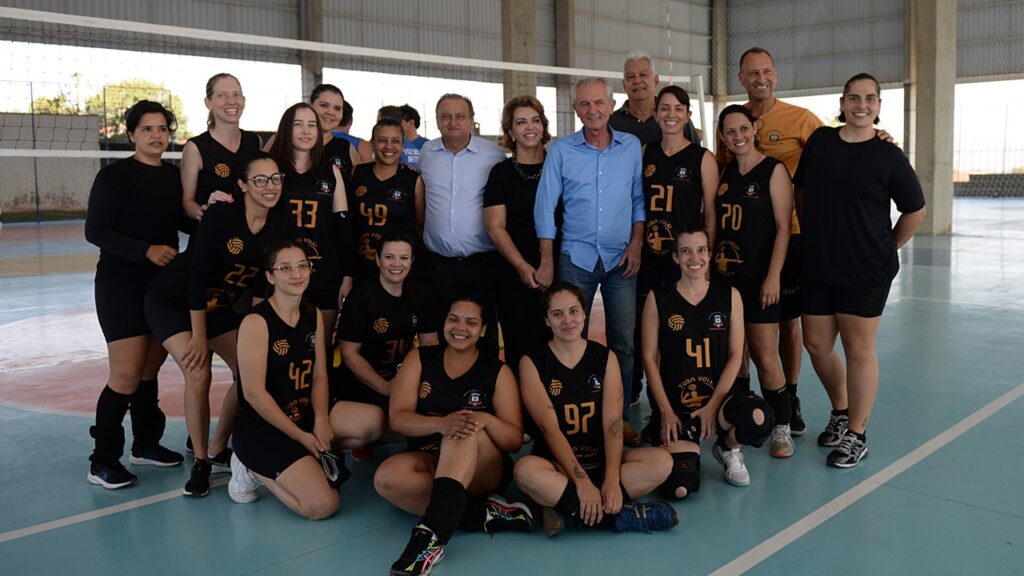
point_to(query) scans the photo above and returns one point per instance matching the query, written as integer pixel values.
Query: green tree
(113, 101)
(59, 104)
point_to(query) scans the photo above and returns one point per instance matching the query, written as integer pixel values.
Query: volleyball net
(64, 90)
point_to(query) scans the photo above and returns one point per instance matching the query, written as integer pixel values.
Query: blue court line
(764, 550)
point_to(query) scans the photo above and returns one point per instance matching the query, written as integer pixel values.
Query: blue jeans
(619, 297)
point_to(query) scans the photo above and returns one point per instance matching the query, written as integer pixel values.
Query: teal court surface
(940, 492)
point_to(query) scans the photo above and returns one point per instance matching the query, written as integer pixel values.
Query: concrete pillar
(519, 44)
(311, 27)
(719, 64)
(565, 55)
(933, 78)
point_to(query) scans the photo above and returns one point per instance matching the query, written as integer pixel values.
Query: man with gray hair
(596, 174)
(636, 116)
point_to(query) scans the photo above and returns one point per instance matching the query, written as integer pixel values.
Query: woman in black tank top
(282, 425)
(460, 410)
(692, 347)
(210, 162)
(754, 207)
(572, 389)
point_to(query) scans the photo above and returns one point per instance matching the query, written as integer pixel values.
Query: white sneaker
(781, 444)
(735, 470)
(243, 485)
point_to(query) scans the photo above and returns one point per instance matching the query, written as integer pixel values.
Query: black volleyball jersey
(693, 342)
(224, 259)
(339, 153)
(377, 206)
(291, 358)
(309, 200)
(221, 167)
(746, 223)
(673, 197)
(576, 394)
(440, 394)
(383, 324)
(133, 206)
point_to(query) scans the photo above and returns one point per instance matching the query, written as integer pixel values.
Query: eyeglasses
(288, 267)
(260, 181)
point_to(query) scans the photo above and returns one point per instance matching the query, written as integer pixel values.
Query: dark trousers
(449, 278)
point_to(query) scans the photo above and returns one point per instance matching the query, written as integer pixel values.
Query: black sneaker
(421, 554)
(198, 484)
(220, 463)
(502, 516)
(849, 453)
(797, 426)
(552, 522)
(834, 430)
(111, 476)
(188, 445)
(156, 456)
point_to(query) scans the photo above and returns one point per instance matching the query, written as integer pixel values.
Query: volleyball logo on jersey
(380, 325)
(424, 390)
(337, 161)
(723, 188)
(753, 191)
(728, 254)
(695, 392)
(222, 170)
(555, 388)
(594, 384)
(311, 340)
(235, 246)
(324, 187)
(676, 322)
(360, 191)
(659, 237)
(280, 347)
(397, 195)
(413, 321)
(293, 412)
(682, 174)
(474, 399)
(650, 170)
(716, 321)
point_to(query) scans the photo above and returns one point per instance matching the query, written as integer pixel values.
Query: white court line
(94, 514)
(764, 550)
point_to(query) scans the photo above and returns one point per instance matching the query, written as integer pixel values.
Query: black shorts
(120, 308)
(789, 280)
(267, 451)
(166, 320)
(818, 299)
(750, 293)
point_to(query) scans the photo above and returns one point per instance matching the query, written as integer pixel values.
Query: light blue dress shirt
(602, 193)
(454, 221)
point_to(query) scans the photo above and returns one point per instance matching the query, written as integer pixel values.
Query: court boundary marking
(787, 536)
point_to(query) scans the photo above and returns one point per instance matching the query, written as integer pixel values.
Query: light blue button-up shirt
(454, 221)
(602, 193)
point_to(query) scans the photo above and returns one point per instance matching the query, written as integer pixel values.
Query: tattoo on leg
(616, 428)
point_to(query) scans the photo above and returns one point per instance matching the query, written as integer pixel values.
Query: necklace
(522, 173)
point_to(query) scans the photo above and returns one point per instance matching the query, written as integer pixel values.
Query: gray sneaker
(849, 453)
(735, 470)
(781, 444)
(243, 485)
(834, 430)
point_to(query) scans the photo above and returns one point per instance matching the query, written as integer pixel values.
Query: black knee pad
(739, 412)
(685, 474)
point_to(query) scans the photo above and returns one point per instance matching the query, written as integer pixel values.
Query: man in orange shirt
(783, 130)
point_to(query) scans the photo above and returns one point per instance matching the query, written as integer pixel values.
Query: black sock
(781, 403)
(447, 502)
(568, 504)
(108, 432)
(791, 388)
(862, 436)
(148, 421)
(474, 514)
(608, 521)
(843, 412)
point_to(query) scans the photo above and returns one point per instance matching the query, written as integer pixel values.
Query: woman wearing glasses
(282, 426)
(223, 261)
(314, 197)
(134, 215)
